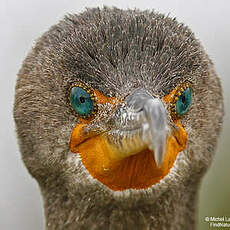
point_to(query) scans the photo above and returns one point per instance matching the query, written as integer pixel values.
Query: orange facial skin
(137, 171)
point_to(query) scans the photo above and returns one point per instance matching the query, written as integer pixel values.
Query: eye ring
(183, 94)
(89, 98)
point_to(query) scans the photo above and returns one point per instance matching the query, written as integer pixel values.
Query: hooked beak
(141, 124)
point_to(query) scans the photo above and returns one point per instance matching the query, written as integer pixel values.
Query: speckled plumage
(115, 51)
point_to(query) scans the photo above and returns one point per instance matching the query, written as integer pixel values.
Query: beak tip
(158, 164)
(159, 157)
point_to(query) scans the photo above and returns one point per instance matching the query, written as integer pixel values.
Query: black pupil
(82, 99)
(183, 99)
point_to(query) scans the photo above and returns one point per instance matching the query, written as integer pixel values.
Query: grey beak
(153, 115)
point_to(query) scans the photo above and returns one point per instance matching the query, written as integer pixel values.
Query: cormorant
(117, 115)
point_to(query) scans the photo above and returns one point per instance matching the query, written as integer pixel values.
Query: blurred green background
(24, 21)
(215, 189)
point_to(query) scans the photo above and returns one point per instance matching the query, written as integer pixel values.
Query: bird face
(117, 100)
(133, 146)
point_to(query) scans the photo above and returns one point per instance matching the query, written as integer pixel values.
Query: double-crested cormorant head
(117, 100)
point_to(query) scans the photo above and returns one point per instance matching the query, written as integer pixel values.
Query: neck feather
(174, 209)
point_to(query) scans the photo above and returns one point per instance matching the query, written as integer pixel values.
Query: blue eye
(184, 101)
(82, 101)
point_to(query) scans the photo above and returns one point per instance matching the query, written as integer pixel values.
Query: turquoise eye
(184, 101)
(81, 101)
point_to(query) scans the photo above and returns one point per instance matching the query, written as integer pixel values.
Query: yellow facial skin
(137, 171)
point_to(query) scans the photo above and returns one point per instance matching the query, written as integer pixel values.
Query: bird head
(117, 100)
